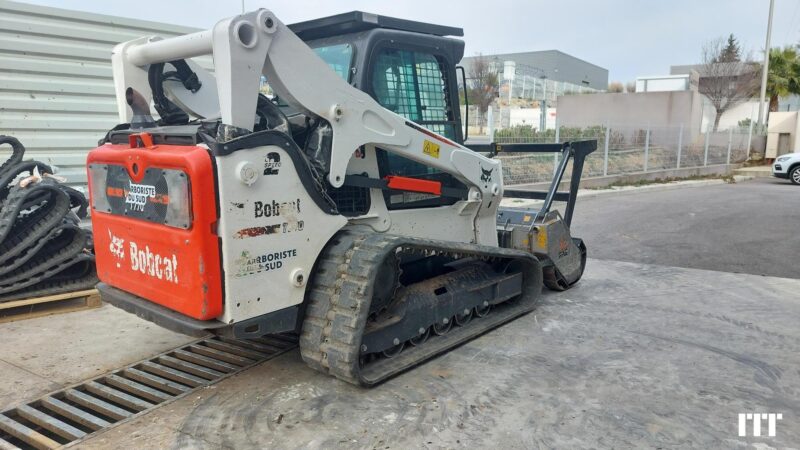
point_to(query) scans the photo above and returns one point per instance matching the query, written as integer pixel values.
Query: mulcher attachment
(543, 231)
(449, 293)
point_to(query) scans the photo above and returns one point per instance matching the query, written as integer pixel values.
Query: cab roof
(356, 21)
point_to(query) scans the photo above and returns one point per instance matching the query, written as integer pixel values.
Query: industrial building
(56, 90)
(545, 74)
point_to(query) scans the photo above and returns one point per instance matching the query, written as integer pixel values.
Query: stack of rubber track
(43, 249)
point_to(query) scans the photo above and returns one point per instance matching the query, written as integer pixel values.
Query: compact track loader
(317, 181)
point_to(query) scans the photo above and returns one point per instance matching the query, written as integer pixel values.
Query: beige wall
(782, 122)
(658, 109)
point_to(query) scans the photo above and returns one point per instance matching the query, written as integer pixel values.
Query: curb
(589, 193)
(755, 172)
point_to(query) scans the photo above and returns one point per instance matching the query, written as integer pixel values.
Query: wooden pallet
(50, 304)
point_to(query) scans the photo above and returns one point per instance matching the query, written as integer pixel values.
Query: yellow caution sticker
(430, 149)
(541, 239)
(526, 218)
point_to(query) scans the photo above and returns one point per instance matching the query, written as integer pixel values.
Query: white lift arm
(245, 47)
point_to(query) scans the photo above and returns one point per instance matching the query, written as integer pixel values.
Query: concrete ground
(748, 227)
(635, 356)
(41, 355)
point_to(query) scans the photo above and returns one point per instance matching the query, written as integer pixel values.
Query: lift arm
(248, 46)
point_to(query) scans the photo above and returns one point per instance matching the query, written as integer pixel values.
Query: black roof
(355, 21)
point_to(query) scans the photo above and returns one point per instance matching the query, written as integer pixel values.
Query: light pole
(509, 71)
(543, 106)
(765, 67)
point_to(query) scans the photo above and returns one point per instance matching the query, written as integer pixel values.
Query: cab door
(416, 83)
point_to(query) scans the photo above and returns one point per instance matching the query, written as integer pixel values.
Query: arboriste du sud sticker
(247, 264)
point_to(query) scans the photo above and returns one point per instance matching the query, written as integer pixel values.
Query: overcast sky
(630, 38)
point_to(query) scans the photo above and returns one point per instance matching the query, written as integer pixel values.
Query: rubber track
(25, 231)
(77, 265)
(42, 249)
(57, 253)
(17, 152)
(55, 281)
(43, 245)
(341, 292)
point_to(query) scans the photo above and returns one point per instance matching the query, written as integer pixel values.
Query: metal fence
(624, 149)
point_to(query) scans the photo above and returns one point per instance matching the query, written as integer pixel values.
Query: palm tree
(784, 75)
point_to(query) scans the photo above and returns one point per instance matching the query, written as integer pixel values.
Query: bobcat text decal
(274, 209)
(288, 211)
(163, 267)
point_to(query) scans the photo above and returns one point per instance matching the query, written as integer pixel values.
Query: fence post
(555, 155)
(605, 151)
(490, 123)
(749, 140)
(680, 145)
(646, 147)
(558, 131)
(730, 142)
(705, 152)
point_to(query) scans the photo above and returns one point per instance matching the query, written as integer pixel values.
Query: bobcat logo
(115, 247)
(486, 175)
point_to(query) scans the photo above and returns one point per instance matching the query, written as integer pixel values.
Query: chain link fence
(624, 149)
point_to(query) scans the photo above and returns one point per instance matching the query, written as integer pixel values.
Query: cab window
(413, 85)
(337, 57)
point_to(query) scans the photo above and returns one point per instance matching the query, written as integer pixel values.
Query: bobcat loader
(317, 182)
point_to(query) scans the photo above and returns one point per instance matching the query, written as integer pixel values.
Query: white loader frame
(246, 46)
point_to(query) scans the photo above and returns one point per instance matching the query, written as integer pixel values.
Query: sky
(630, 38)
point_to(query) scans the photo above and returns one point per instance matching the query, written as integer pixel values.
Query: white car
(787, 166)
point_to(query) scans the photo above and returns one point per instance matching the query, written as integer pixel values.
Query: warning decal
(430, 149)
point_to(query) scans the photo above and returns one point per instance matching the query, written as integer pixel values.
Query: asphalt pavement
(748, 227)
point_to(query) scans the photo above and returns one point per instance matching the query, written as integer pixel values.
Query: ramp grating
(70, 415)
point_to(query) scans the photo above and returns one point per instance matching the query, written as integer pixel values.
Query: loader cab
(408, 67)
